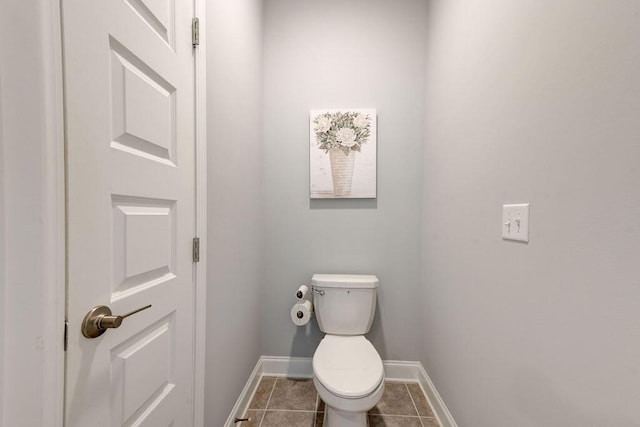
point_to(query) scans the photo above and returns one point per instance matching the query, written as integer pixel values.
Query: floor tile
(294, 402)
(420, 400)
(395, 401)
(392, 421)
(293, 394)
(430, 422)
(288, 418)
(256, 418)
(261, 396)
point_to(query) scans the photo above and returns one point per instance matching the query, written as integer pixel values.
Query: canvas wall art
(343, 154)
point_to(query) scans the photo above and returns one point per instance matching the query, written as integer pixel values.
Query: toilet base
(337, 418)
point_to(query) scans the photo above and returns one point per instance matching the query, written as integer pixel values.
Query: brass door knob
(99, 319)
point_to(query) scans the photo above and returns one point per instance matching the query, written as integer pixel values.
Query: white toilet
(347, 369)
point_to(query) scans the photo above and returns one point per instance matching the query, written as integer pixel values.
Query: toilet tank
(344, 304)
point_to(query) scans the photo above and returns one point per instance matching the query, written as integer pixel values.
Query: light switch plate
(515, 222)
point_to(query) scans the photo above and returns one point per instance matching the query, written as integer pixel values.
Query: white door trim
(53, 286)
(200, 297)
(42, 302)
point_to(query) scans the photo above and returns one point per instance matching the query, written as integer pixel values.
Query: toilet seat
(348, 366)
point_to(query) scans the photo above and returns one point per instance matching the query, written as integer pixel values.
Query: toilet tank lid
(364, 281)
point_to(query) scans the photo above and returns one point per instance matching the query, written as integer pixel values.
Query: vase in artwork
(341, 171)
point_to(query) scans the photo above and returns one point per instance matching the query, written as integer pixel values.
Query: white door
(129, 96)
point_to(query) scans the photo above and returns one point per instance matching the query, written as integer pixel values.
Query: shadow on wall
(550, 408)
(343, 203)
(306, 339)
(376, 334)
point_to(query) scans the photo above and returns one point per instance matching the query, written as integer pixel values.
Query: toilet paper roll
(301, 313)
(302, 292)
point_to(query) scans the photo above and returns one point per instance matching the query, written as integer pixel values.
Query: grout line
(393, 416)
(315, 409)
(264, 414)
(430, 405)
(414, 404)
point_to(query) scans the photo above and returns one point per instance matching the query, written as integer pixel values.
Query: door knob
(99, 319)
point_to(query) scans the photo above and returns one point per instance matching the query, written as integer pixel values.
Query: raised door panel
(142, 374)
(143, 108)
(144, 238)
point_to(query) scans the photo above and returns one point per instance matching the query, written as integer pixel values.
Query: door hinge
(195, 32)
(66, 334)
(196, 249)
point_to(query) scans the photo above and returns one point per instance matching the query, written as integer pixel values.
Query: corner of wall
(234, 193)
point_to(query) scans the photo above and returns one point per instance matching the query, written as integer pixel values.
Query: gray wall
(533, 101)
(234, 103)
(337, 54)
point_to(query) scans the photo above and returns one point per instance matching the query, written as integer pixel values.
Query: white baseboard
(436, 402)
(292, 367)
(245, 396)
(301, 367)
(399, 370)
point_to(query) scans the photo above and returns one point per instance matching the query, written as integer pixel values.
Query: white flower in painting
(346, 137)
(360, 121)
(323, 124)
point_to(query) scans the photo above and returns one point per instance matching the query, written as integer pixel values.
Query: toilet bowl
(349, 377)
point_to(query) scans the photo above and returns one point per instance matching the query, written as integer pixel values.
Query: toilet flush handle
(318, 291)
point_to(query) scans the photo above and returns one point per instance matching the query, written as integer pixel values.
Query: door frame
(200, 296)
(42, 313)
(50, 309)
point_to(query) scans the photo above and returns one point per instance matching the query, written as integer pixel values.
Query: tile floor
(286, 402)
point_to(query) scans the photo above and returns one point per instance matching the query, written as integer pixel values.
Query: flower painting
(342, 154)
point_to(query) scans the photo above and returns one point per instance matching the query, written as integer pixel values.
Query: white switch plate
(515, 222)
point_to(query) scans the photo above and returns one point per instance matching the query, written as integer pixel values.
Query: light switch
(515, 222)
